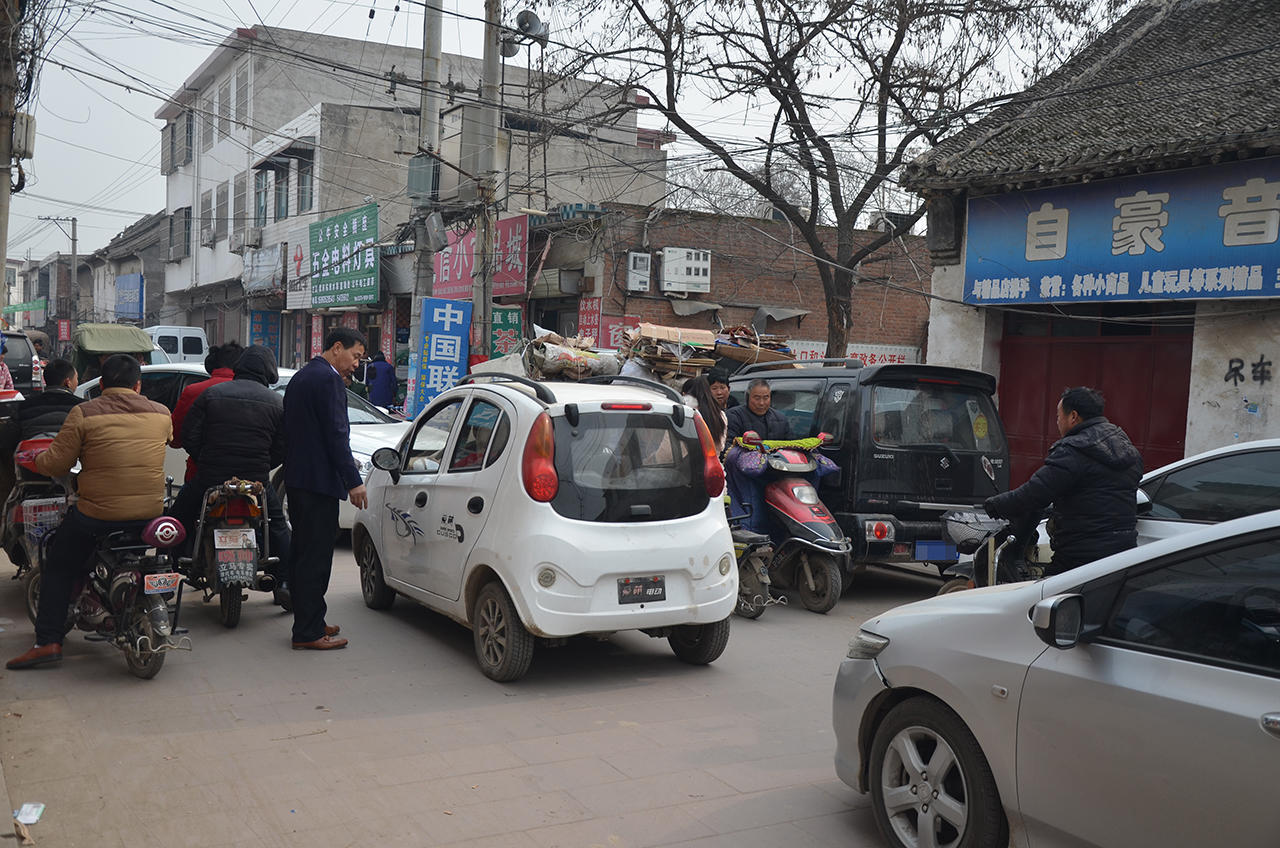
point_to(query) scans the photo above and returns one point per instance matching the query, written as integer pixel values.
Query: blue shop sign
(1211, 232)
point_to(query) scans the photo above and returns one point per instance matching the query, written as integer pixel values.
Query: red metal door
(1145, 380)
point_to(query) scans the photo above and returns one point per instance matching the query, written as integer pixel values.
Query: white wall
(961, 336)
(1221, 411)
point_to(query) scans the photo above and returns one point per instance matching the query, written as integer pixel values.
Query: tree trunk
(839, 293)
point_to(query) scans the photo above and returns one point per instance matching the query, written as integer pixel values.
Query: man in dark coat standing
(380, 376)
(319, 471)
(1091, 478)
(220, 363)
(236, 429)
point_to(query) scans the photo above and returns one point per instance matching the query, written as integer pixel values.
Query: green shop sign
(29, 306)
(344, 258)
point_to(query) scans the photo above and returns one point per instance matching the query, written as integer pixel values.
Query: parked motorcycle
(754, 552)
(998, 550)
(231, 552)
(124, 599)
(809, 547)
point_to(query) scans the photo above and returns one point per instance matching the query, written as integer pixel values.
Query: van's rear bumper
(907, 540)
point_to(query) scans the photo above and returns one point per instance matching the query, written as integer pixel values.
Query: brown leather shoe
(332, 630)
(324, 643)
(42, 655)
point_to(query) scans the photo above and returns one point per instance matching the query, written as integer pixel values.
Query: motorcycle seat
(749, 537)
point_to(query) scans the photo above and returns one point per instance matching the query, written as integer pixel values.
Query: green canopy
(90, 341)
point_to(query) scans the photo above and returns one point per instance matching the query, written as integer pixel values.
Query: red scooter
(810, 549)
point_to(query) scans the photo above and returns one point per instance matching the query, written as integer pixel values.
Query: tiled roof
(1173, 84)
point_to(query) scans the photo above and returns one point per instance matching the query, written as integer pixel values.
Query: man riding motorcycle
(757, 415)
(236, 429)
(119, 439)
(46, 411)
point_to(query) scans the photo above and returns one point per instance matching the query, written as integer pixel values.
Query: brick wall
(757, 262)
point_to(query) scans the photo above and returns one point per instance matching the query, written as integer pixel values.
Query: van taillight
(538, 466)
(712, 470)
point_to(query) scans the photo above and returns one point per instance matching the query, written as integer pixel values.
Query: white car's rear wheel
(504, 648)
(377, 594)
(931, 786)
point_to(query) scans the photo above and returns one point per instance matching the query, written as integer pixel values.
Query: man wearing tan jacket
(119, 439)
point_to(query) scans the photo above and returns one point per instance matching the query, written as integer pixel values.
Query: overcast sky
(97, 144)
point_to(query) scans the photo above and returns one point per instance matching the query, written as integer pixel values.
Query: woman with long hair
(699, 389)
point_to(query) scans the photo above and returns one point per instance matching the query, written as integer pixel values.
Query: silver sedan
(1133, 701)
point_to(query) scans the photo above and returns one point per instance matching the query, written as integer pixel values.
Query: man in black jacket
(1091, 478)
(45, 412)
(758, 414)
(236, 429)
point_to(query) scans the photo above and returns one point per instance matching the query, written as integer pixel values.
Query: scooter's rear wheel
(827, 581)
(753, 594)
(31, 591)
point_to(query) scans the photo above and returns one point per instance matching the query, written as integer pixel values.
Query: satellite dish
(533, 27)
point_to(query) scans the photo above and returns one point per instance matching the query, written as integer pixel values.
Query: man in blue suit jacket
(319, 471)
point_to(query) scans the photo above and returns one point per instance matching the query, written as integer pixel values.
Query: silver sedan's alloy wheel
(924, 789)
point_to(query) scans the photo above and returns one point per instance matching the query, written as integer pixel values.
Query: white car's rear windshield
(628, 467)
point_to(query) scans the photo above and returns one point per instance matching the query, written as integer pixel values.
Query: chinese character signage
(387, 335)
(589, 317)
(455, 264)
(870, 354)
(264, 329)
(613, 330)
(317, 335)
(1210, 232)
(297, 272)
(129, 296)
(64, 330)
(506, 331)
(344, 258)
(439, 355)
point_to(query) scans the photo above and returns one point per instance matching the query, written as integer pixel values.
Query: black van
(911, 442)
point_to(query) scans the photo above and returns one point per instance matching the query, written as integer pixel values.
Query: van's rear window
(628, 467)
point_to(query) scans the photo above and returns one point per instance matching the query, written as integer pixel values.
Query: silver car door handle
(1271, 723)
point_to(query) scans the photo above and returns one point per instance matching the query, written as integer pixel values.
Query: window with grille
(222, 214)
(224, 109)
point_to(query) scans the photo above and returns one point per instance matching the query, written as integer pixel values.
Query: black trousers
(68, 558)
(186, 508)
(315, 528)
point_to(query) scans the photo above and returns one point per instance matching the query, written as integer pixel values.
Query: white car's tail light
(712, 471)
(538, 466)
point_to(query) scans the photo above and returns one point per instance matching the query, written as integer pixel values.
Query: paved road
(399, 741)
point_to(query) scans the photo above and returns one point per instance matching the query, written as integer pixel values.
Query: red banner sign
(317, 335)
(589, 317)
(64, 330)
(613, 329)
(455, 264)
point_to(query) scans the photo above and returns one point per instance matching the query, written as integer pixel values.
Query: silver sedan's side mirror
(388, 459)
(1059, 620)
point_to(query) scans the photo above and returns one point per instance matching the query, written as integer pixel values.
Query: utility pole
(9, 28)
(428, 139)
(483, 268)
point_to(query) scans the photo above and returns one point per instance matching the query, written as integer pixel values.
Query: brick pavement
(398, 740)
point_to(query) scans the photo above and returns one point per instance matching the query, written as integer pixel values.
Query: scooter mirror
(752, 438)
(824, 437)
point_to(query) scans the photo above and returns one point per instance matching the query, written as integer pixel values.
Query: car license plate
(225, 539)
(639, 590)
(158, 584)
(935, 551)
(237, 565)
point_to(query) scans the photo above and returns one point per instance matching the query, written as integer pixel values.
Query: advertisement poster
(589, 317)
(507, 329)
(454, 265)
(264, 329)
(613, 330)
(129, 296)
(439, 354)
(317, 335)
(345, 258)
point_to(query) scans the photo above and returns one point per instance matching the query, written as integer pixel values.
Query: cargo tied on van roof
(93, 342)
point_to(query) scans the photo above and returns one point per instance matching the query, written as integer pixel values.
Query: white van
(183, 344)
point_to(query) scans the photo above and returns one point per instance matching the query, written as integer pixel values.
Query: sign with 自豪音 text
(345, 258)
(438, 357)
(1208, 232)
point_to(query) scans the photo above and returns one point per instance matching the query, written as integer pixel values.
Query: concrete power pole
(9, 24)
(483, 268)
(428, 139)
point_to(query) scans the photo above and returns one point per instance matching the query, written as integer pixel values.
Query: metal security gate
(1143, 371)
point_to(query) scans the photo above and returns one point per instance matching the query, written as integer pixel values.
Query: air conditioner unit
(237, 242)
(253, 237)
(638, 271)
(206, 237)
(685, 269)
